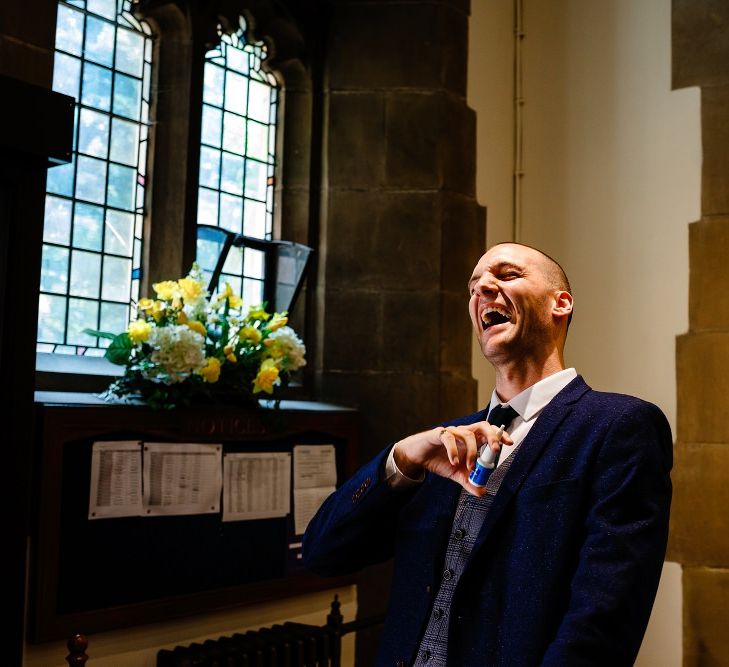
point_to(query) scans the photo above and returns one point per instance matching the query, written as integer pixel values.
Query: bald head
(549, 267)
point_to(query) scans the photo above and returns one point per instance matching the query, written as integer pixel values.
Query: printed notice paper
(182, 478)
(315, 477)
(116, 479)
(257, 485)
(131, 478)
(314, 466)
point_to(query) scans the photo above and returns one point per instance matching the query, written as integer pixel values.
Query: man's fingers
(471, 448)
(449, 442)
(452, 437)
(492, 434)
(462, 478)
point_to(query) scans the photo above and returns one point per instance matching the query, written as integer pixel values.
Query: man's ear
(562, 304)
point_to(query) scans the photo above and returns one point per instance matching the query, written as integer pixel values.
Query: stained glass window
(237, 157)
(92, 236)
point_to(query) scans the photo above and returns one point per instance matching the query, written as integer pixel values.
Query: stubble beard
(527, 343)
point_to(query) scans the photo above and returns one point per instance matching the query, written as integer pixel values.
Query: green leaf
(120, 349)
(100, 334)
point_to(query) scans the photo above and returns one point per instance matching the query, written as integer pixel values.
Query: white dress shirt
(528, 404)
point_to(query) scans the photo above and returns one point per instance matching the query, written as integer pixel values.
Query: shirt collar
(530, 402)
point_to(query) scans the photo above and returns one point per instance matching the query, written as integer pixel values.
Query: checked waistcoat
(467, 521)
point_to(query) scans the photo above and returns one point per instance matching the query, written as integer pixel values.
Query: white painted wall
(611, 180)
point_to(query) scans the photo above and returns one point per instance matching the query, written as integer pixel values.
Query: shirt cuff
(394, 477)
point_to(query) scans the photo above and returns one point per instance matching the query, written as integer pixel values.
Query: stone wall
(400, 226)
(699, 537)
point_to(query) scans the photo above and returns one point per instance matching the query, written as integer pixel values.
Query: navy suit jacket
(566, 566)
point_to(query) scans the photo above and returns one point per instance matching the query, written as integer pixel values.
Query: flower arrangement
(186, 347)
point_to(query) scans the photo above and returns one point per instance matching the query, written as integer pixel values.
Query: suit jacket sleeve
(622, 554)
(356, 524)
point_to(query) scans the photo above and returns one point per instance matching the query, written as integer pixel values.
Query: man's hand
(449, 451)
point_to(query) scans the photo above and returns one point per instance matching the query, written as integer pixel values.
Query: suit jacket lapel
(533, 445)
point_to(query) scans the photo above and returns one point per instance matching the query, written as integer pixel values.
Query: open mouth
(493, 315)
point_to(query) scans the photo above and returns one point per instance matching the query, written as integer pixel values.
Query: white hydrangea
(289, 344)
(178, 351)
(197, 310)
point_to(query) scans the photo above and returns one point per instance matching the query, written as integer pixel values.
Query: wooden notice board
(95, 575)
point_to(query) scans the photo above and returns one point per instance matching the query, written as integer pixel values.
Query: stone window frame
(183, 34)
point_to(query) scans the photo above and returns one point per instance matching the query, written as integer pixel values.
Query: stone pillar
(400, 228)
(699, 537)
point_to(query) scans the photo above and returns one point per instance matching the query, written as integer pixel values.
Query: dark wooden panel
(92, 576)
(38, 122)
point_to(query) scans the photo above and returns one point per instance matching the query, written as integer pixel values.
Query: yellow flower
(139, 331)
(275, 350)
(181, 317)
(167, 290)
(145, 304)
(279, 320)
(154, 308)
(211, 370)
(195, 325)
(250, 333)
(233, 299)
(258, 313)
(231, 358)
(158, 310)
(266, 378)
(191, 290)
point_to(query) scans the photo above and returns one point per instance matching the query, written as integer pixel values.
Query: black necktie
(502, 415)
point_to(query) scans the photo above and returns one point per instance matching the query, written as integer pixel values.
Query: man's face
(511, 305)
